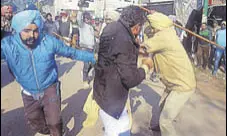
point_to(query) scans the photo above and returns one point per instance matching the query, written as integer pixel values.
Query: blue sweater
(221, 37)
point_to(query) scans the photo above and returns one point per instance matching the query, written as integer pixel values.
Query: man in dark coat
(49, 26)
(116, 71)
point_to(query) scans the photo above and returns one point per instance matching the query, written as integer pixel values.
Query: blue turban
(25, 18)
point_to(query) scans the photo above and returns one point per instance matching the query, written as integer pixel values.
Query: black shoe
(64, 133)
(155, 128)
(154, 78)
(44, 131)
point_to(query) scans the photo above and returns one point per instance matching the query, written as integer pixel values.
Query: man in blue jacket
(30, 55)
(221, 40)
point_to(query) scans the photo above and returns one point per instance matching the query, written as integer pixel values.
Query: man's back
(116, 69)
(171, 60)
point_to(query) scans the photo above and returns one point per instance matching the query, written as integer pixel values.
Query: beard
(30, 42)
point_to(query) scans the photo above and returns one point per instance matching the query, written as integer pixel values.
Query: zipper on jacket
(34, 70)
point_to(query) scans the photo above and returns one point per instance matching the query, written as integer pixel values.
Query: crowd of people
(208, 54)
(6, 16)
(121, 60)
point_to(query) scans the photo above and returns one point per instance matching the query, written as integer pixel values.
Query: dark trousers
(203, 55)
(218, 55)
(212, 55)
(87, 67)
(44, 115)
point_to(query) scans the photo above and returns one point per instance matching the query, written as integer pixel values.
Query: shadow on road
(152, 98)
(74, 110)
(202, 116)
(215, 104)
(13, 123)
(65, 67)
(144, 132)
(6, 76)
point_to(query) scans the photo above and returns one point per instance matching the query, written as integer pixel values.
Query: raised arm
(80, 18)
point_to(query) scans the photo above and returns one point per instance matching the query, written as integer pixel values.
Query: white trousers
(114, 127)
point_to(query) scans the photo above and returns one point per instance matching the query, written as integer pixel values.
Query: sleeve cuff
(142, 73)
(145, 67)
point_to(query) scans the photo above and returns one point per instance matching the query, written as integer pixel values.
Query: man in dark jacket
(65, 27)
(49, 26)
(116, 71)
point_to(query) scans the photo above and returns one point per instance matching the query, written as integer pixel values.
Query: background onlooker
(203, 47)
(49, 26)
(221, 40)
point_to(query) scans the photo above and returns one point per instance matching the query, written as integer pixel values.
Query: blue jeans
(218, 55)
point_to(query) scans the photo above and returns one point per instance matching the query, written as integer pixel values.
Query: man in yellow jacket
(174, 67)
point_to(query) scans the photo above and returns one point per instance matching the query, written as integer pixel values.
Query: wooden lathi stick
(185, 29)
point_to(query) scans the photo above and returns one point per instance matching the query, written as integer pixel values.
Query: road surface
(203, 115)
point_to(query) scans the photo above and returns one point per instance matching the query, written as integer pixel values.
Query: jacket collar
(126, 26)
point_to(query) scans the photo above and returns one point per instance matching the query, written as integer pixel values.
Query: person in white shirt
(86, 42)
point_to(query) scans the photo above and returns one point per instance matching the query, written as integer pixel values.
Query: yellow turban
(73, 14)
(113, 15)
(159, 21)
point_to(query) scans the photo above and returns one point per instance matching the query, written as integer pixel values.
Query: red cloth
(63, 14)
(210, 2)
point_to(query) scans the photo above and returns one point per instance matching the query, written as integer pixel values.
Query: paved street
(203, 115)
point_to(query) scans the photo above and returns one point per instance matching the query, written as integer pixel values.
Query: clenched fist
(148, 62)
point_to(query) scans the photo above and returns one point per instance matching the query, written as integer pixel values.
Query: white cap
(223, 22)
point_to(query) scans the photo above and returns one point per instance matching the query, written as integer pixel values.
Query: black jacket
(49, 27)
(116, 69)
(64, 28)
